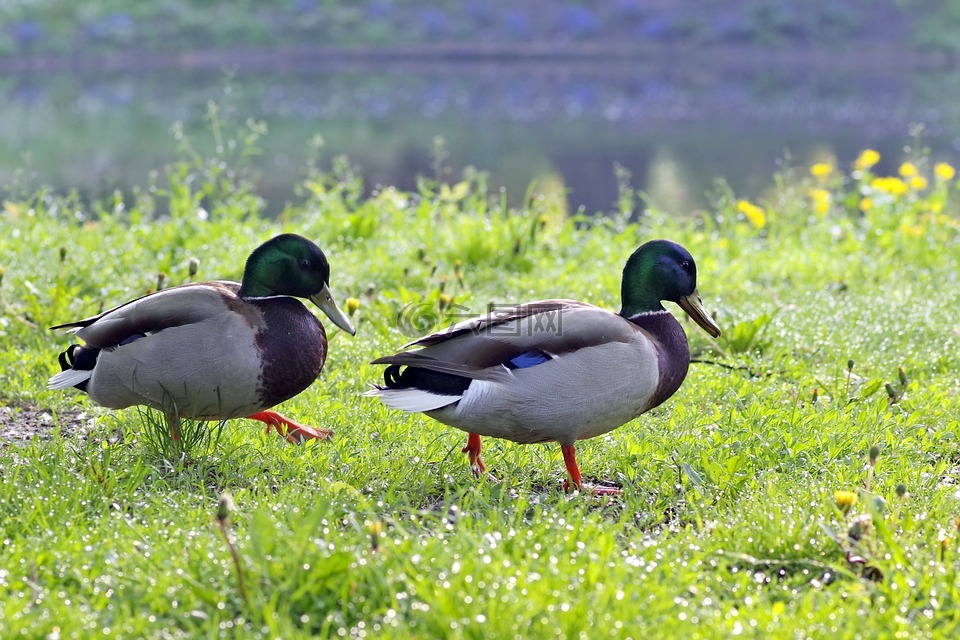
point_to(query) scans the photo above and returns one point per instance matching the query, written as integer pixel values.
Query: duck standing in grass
(213, 350)
(556, 370)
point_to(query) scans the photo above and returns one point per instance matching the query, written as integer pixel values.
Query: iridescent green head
(663, 270)
(291, 265)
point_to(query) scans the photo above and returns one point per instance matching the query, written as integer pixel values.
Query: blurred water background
(677, 93)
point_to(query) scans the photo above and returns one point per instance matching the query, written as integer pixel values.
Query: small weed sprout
(895, 393)
(871, 533)
(224, 507)
(375, 529)
(173, 438)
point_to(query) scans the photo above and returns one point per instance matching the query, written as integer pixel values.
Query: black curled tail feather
(66, 357)
(436, 382)
(81, 358)
(391, 377)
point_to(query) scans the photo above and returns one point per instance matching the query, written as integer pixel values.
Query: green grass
(727, 524)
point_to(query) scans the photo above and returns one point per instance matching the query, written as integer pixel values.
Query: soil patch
(22, 422)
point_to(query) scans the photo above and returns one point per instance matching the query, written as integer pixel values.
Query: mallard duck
(213, 350)
(556, 370)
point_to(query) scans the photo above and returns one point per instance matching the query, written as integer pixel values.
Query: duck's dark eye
(305, 264)
(685, 265)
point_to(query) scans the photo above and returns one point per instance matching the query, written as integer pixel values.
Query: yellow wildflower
(944, 171)
(866, 159)
(907, 228)
(352, 305)
(908, 169)
(866, 204)
(821, 200)
(892, 185)
(845, 499)
(459, 191)
(12, 208)
(918, 183)
(821, 169)
(755, 215)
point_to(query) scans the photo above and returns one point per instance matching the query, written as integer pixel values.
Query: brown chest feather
(292, 346)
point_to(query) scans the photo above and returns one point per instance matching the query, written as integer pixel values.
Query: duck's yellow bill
(693, 306)
(324, 300)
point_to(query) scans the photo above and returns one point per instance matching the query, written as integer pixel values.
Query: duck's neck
(251, 287)
(673, 354)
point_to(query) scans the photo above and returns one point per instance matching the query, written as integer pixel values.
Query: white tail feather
(412, 399)
(68, 378)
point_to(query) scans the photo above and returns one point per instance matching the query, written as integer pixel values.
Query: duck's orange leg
(576, 480)
(173, 424)
(473, 453)
(293, 431)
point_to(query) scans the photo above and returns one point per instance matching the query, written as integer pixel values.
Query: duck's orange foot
(293, 431)
(473, 453)
(597, 490)
(574, 478)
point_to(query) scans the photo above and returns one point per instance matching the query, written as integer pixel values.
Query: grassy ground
(838, 302)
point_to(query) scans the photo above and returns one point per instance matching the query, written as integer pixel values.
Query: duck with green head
(556, 370)
(213, 350)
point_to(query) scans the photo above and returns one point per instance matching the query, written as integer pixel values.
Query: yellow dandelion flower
(866, 159)
(352, 305)
(12, 208)
(908, 170)
(755, 215)
(907, 228)
(890, 184)
(821, 200)
(896, 187)
(866, 204)
(821, 170)
(918, 183)
(845, 499)
(944, 171)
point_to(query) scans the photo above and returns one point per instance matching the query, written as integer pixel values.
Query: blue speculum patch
(528, 359)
